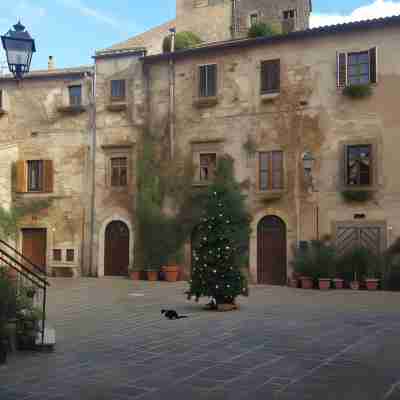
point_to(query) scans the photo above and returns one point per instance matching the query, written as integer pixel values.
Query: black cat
(172, 314)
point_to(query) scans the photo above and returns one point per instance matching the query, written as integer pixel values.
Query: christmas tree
(221, 241)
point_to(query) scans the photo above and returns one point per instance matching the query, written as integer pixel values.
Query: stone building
(281, 96)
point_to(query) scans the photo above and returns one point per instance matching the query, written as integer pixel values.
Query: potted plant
(134, 274)
(372, 279)
(325, 260)
(355, 263)
(303, 267)
(173, 269)
(152, 274)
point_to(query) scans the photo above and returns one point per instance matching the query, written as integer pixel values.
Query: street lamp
(19, 47)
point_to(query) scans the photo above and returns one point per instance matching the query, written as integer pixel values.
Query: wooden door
(34, 246)
(271, 251)
(116, 257)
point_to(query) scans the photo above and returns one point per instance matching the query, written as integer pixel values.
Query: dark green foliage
(250, 146)
(318, 260)
(357, 195)
(7, 300)
(220, 243)
(391, 267)
(261, 29)
(358, 91)
(183, 40)
(357, 263)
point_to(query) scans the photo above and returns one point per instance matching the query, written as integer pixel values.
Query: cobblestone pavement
(113, 344)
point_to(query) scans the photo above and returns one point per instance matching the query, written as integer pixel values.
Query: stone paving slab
(283, 344)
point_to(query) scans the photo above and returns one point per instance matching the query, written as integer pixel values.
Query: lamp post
(308, 163)
(19, 47)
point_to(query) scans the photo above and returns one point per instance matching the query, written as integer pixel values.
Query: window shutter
(48, 176)
(341, 70)
(278, 75)
(258, 172)
(373, 60)
(344, 161)
(21, 176)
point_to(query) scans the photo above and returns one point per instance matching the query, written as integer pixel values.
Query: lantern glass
(308, 161)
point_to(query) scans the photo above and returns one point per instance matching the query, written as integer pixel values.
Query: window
(253, 19)
(358, 68)
(35, 176)
(359, 165)
(270, 76)
(119, 171)
(75, 95)
(208, 164)
(70, 255)
(271, 170)
(208, 80)
(118, 89)
(57, 255)
(289, 14)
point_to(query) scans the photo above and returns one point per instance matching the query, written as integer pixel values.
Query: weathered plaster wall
(310, 114)
(39, 131)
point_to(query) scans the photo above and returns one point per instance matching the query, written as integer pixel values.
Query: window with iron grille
(35, 176)
(270, 76)
(359, 165)
(118, 89)
(119, 171)
(358, 68)
(57, 255)
(75, 95)
(70, 255)
(208, 80)
(289, 14)
(270, 170)
(253, 19)
(208, 164)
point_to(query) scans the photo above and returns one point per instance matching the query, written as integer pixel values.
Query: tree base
(227, 307)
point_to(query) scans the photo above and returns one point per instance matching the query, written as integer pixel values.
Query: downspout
(172, 95)
(92, 111)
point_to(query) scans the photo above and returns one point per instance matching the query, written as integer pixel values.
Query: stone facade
(37, 124)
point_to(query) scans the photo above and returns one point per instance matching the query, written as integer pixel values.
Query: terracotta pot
(355, 285)
(171, 273)
(306, 282)
(12, 274)
(324, 283)
(152, 276)
(135, 275)
(338, 283)
(372, 284)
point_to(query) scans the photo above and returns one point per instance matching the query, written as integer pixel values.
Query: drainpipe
(172, 94)
(92, 130)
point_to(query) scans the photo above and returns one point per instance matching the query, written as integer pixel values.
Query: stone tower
(216, 20)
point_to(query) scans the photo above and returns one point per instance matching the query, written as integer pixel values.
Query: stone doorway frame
(102, 238)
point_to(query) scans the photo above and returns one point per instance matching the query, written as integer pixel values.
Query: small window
(208, 80)
(56, 254)
(253, 19)
(208, 164)
(289, 14)
(70, 255)
(271, 170)
(358, 68)
(75, 95)
(359, 165)
(270, 76)
(118, 90)
(119, 171)
(35, 176)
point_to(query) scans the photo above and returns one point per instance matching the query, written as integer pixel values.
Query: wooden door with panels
(116, 255)
(34, 246)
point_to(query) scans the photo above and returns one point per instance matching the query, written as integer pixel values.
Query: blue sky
(71, 30)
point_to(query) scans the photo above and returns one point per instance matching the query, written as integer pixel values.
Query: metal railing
(27, 274)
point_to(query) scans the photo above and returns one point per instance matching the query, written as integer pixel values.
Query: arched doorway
(271, 251)
(116, 249)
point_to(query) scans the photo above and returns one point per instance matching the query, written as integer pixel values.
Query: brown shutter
(48, 176)
(278, 75)
(21, 176)
(341, 70)
(344, 161)
(373, 59)
(258, 172)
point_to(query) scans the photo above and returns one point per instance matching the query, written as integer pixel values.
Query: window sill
(202, 184)
(266, 97)
(72, 109)
(372, 188)
(203, 102)
(116, 106)
(119, 188)
(270, 194)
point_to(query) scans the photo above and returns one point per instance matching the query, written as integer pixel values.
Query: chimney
(51, 64)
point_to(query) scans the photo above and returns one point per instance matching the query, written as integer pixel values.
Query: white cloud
(377, 9)
(94, 13)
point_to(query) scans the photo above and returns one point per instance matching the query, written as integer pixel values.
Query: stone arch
(102, 237)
